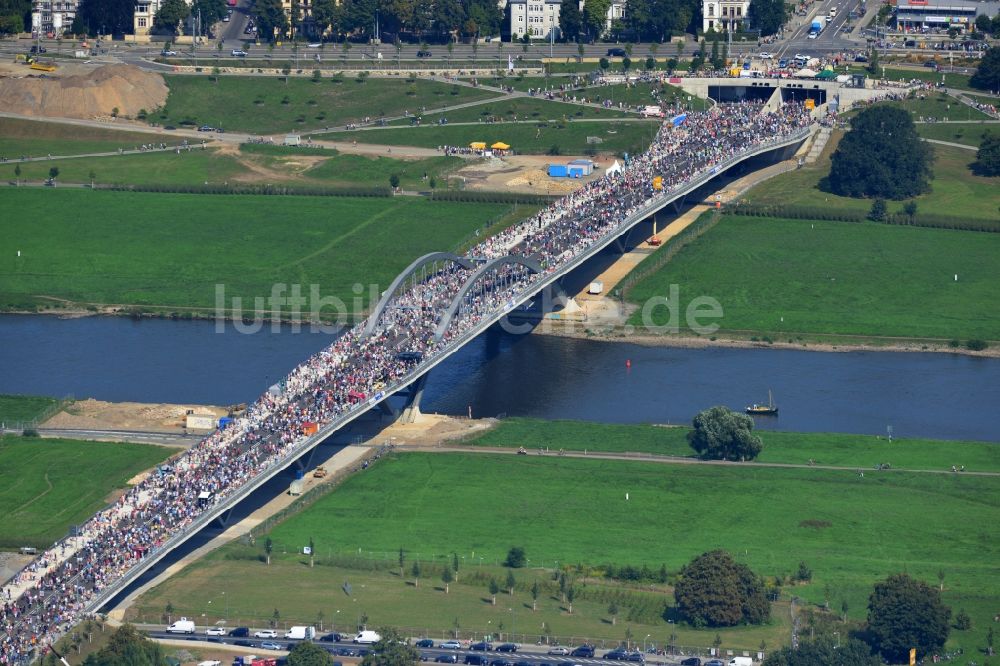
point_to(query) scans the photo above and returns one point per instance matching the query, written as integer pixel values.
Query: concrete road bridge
(485, 275)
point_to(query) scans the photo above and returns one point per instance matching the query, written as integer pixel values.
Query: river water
(947, 396)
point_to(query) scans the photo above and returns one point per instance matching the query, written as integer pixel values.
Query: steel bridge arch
(417, 264)
(528, 262)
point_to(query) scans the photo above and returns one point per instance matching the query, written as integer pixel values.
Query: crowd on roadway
(366, 364)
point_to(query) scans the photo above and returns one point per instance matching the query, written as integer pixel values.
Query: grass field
(941, 107)
(33, 138)
(784, 277)
(850, 530)
(527, 138)
(15, 408)
(86, 246)
(834, 449)
(522, 108)
(955, 190)
(266, 105)
(924, 74)
(970, 134)
(214, 167)
(46, 485)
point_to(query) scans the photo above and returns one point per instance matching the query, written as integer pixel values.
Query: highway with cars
(524, 655)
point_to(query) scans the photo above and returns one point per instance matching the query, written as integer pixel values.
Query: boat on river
(770, 409)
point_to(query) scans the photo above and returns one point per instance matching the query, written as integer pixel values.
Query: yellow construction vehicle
(46, 66)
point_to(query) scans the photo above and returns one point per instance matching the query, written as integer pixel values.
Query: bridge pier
(622, 241)
(223, 518)
(411, 409)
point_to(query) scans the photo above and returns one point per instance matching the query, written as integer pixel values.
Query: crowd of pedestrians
(364, 365)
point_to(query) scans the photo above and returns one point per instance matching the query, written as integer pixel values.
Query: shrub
(976, 345)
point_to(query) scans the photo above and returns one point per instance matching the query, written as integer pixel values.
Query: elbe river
(935, 395)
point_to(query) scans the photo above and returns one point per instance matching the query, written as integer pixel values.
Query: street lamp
(513, 623)
(644, 643)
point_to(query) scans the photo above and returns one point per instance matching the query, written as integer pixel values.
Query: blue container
(299, 474)
(557, 170)
(224, 422)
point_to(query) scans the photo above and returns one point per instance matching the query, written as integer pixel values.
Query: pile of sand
(156, 417)
(93, 94)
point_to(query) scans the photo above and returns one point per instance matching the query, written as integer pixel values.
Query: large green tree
(327, 16)
(988, 157)
(881, 156)
(824, 652)
(719, 433)
(127, 647)
(14, 16)
(391, 650)
(211, 10)
(595, 16)
(170, 15)
(272, 23)
(105, 16)
(987, 76)
(905, 613)
(713, 590)
(306, 653)
(767, 15)
(570, 20)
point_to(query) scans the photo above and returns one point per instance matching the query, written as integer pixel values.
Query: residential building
(52, 16)
(724, 15)
(539, 19)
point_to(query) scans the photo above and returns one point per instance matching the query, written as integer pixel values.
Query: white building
(539, 19)
(724, 15)
(52, 16)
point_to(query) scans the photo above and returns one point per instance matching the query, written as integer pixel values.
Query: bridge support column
(411, 409)
(622, 242)
(306, 461)
(678, 202)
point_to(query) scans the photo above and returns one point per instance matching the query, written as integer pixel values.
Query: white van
(181, 626)
(367, 637)
(301, 633)
(741, 661)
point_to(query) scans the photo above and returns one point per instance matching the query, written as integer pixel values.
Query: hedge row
(253, 189)
(492, 197)
(829, 214)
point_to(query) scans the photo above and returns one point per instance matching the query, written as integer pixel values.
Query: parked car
(206, 128)
(347, 652)
(450, 658)
(239, 53)
(617, 654)
(215, 631)
(424, 643)
(450, 645)
(617, 53)
(501, 662)
(265, 633)
(691, 661)
(167, 53)
(475, 660)
(714, 662)
(38, 49)
(331, 638)
(481, 646)
(423, 54)
(636, 657)
(271, 645)
(559, 649)
(507, 647)
(239, 632)
(766, 55)
(585, 651)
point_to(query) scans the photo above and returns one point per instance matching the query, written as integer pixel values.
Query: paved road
(530, 654)
(671, 460)
(141, 436)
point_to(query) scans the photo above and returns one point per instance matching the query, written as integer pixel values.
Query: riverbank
(754, 340)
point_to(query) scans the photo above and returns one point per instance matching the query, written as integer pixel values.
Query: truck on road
(815, 29)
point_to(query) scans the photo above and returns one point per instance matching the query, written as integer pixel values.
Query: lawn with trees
(987, 76)
(439, 509)
(713, 590)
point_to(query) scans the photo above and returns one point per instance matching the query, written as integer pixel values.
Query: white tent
(614, 168)
(805, 74)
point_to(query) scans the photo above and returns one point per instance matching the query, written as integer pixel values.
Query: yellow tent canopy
(478, 145)
(500, 145)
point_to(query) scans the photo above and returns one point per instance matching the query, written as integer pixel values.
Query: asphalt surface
(536, 655)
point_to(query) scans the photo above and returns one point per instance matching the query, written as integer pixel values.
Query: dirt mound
(92, 94)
